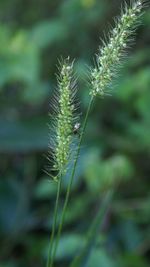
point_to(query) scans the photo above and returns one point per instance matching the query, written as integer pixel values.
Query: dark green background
(116, 152)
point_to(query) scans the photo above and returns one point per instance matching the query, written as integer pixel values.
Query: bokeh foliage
(116, 151)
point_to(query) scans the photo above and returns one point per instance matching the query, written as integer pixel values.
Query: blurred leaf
(45, 189)
(83, 258)
(133, 260)
(107, 173)
(19, 60)
(9, 196)
(69, 245)
(140, 133)
(23, 136)
(100, 258)
(80, 208)
(36, 93)
(133, 84)
(48, 32)
(131, 235)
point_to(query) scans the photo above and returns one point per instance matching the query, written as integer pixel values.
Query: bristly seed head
(65, 116)
(111, 53)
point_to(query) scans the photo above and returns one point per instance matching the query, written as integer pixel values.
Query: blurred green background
(116, 152)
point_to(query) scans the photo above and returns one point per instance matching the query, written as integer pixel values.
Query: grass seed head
(111, 53)
(65, 116)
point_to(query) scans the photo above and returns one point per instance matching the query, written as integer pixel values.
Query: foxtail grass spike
(109, 56)
(65, 118)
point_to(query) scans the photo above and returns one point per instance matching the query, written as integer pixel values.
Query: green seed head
(65, 116)
(110, 54)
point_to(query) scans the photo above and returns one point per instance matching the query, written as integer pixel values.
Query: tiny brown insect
(76, 128)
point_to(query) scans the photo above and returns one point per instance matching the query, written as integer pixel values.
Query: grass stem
(70, 183)
(55, 221)
(96, 226)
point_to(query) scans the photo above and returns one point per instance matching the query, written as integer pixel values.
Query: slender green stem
(82, 259)
(70, 182)
(55, 221)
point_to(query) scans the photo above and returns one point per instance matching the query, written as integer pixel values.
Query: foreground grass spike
(65, 116)
(110, 54)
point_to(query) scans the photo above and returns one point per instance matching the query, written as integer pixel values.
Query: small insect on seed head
(76, 128)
